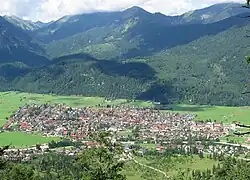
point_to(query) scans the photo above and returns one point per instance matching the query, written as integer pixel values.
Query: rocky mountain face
(18, 46)
(26, 25)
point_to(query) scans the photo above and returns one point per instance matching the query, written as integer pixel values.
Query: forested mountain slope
(82, 74)
(70, 25)
(210, 70)
(130, 54)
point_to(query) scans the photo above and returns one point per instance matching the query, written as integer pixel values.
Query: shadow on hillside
(19, 62)
(11, 71)
(158, 92)
(80, 56)
(26, 57)
(137, 70)
(164, 92)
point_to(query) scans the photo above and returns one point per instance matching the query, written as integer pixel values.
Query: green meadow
(19, 139)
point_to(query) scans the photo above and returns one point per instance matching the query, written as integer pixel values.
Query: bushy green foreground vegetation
(93, 163)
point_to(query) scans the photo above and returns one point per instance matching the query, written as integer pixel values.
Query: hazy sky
(46, 10)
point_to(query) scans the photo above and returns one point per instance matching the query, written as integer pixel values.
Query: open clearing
(169, 166)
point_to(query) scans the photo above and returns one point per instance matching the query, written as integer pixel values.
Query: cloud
(46, 10)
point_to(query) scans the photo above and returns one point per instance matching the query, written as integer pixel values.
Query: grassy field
(218, 113)
(19, 139)
(169, 165)
(235, 139)
(149, 146)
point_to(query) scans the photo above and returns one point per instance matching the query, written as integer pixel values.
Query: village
(131, 125)
(77, 123)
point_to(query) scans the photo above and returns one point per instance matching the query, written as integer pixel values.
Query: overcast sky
(47, 10)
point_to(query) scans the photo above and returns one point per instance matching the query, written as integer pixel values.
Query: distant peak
(135, 9)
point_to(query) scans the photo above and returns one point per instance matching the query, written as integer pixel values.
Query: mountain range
(197, 57)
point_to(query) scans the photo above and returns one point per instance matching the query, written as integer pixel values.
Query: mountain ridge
(17, 45)
(25, 25)
(136, 37)
(214, 13)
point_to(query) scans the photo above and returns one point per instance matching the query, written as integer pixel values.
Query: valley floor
(11, 101)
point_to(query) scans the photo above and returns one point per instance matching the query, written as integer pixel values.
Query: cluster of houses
(77, 123)
(28, 154)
